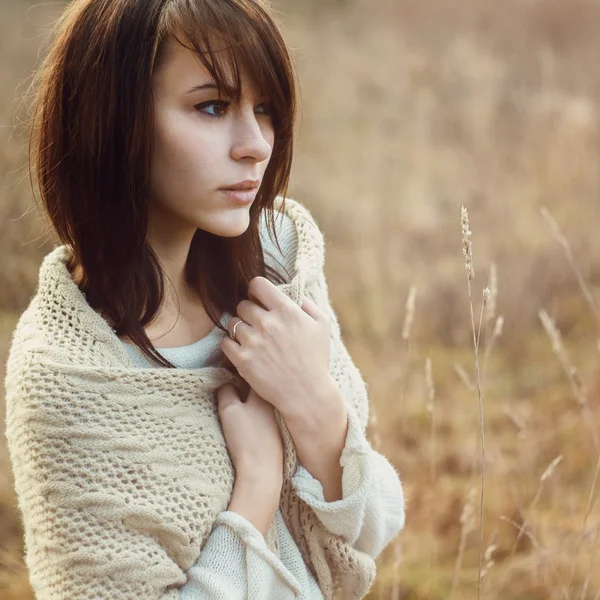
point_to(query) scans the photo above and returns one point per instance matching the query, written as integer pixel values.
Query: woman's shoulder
(25, 337)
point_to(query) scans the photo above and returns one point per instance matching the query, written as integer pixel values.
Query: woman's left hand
(282, 350)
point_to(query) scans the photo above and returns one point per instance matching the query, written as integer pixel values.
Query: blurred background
(411, 109)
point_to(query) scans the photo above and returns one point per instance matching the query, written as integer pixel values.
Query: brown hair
(91, 139)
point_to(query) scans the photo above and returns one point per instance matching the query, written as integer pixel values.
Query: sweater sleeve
(371, 511)
(235, 564)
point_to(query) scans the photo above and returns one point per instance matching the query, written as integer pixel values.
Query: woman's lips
(240, 196)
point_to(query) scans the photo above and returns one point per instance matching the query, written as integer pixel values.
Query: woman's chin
(233, 223)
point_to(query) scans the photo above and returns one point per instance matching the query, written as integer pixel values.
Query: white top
(235, 562)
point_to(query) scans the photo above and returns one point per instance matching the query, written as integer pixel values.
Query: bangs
(228, 35)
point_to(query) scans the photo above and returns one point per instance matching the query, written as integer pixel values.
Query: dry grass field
(411, 109)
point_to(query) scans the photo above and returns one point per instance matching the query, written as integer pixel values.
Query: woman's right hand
(256, 450)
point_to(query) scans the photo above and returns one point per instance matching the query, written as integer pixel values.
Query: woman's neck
(181, 319)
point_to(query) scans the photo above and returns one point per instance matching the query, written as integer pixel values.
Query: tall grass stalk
(431, 410)
(496, 333)
(544, 477)
(562, 240)
(464, 377)
(574, 380)
(430, 406)
(571, 373)
(468, 254)
(409, 317)
(585, 585)
(490, 313)
(467, 523)
(541, 560)
(588, 509)
(577, 387)
(488, 558)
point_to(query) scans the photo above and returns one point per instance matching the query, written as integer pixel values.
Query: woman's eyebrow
(202, 87)
(212, 85)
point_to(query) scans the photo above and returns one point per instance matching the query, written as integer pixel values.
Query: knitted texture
(121, 472)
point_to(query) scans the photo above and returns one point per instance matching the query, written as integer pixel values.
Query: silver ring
(232, 334)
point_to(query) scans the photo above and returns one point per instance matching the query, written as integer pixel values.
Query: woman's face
(203, 144)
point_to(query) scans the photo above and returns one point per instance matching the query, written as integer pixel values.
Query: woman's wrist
(256, 500)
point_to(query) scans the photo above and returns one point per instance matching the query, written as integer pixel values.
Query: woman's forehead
(184, 69)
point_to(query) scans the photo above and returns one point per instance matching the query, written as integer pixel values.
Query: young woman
(183, 417)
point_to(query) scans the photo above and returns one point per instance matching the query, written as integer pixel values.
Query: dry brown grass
(410, 110)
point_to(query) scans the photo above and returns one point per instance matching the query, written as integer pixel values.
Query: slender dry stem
(431, 410)
(562, 240)
(409, 317)
(397, 561)
(588, 508)
(545, 476)
(468, 254)
(489, 558)
(584, 588)
(467, 525)
(541, 559)
(515, 419)
(572, 374)
(496, 333)
(490, 313)
(464, 377)
(579, 393)
(374, 428)
(486, 299)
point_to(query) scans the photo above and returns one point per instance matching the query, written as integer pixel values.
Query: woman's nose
(249, 140)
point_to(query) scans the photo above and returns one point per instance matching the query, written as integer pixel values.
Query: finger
(232, 349)
(264, 292)
(240, 330)
(250, 312)
(311, 308)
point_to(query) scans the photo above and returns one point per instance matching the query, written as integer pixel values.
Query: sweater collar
(63, 307)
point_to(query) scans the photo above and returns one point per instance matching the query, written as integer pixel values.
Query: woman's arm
(371, 511)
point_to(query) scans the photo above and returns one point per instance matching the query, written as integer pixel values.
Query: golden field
(411, 109)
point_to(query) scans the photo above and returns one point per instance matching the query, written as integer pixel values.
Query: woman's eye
(223, 106)
(268, 108)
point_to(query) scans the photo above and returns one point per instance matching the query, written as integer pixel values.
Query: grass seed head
(467, 244)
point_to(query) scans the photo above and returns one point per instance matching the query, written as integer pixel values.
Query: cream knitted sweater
(235, 562)
(121, 473)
